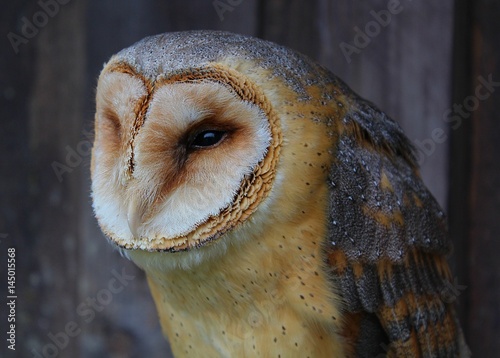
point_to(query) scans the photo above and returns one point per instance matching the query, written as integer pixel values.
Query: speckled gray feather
(378, 147)
(169, 53)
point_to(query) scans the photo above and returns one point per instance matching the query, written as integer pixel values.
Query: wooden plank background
(426, 58)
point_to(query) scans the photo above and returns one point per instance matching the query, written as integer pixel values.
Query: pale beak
(135, 214)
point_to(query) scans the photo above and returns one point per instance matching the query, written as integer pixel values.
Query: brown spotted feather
(387, 240)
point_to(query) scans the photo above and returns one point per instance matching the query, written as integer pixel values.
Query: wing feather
(388, 239)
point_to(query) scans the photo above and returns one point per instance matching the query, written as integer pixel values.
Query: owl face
(173, 160)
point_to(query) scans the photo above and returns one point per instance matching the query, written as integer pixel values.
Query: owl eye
(207, 138)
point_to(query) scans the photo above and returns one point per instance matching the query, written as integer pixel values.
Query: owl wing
(387, 243)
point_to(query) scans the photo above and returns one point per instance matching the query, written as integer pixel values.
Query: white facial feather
(210, 178)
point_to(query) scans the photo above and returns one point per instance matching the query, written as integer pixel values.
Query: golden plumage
(274, 211)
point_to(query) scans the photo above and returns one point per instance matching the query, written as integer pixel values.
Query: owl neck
(269, 284)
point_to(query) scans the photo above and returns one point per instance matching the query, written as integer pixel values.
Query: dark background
(428, 57)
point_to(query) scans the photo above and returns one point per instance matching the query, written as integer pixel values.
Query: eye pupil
(207, 138)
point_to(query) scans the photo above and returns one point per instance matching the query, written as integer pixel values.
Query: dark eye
(207, 138)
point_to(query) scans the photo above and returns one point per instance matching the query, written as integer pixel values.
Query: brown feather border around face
(254, 188)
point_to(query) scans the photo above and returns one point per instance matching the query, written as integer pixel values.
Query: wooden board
(409, 66)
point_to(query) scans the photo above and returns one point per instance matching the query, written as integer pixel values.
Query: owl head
(188, 133)
(204, 137)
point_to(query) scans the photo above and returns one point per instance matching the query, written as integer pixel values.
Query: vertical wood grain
(55, 108)
(484, 244)
(16, 72)
(460, 158)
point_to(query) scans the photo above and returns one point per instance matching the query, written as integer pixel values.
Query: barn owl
(274, 212)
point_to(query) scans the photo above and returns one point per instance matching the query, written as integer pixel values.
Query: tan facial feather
(119, 94)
